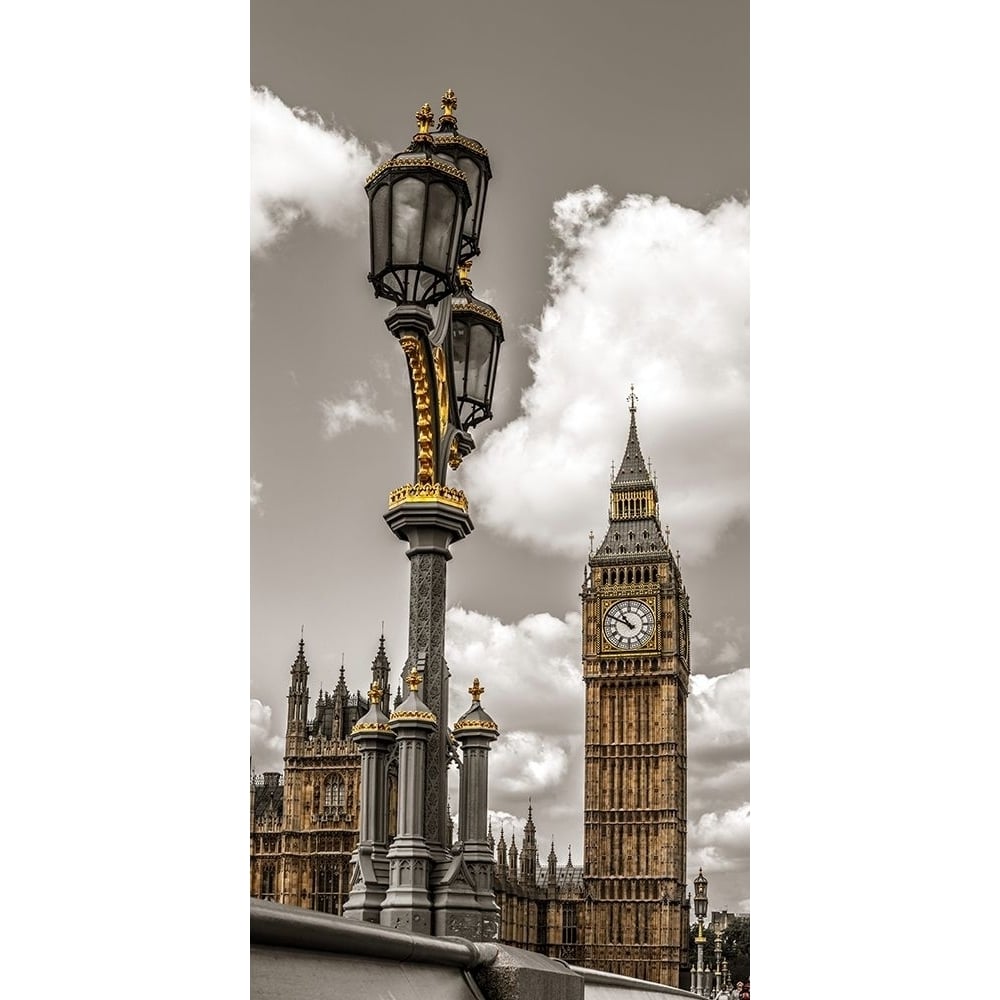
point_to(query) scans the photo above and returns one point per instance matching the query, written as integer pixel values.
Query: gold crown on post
(449, 102)
(425, 119)
(476, 691)
(375, 693)
(413, 679)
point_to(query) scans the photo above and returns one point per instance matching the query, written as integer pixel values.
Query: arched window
(267, 880)
(333, 793)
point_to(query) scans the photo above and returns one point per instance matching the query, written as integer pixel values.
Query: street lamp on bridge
(426, 213)
(700, 911)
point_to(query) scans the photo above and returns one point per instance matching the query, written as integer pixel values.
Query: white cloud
(356, 409)
(534, 691)
(266, 747)
(300, 166)
(644, 292)
(255, 489)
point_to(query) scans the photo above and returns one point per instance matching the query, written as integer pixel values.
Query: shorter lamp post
(718, 960)
(700, 910)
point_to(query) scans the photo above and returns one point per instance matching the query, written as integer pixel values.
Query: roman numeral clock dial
(628, 624)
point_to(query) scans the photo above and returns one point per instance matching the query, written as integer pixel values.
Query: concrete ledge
(291, 927)
(516, 974)
(608, 986)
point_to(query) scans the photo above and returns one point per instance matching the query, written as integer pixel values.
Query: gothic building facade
(625, 909)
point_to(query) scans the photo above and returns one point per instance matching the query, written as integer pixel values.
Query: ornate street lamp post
(700, 909)
(718, 960)
(426, 212)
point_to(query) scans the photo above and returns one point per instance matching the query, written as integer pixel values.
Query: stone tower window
(333, 793)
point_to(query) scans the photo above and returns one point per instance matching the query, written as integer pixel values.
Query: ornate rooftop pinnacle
(476, 691)
(374, 694)
(413, 679)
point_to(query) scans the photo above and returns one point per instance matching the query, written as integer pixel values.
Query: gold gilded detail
(422, 408)
(414, 716)
(416, 161)
(454, 455)
(449, 102)
(476, 724)
(431, 493)
(425, 118)
(457, 139)
(476, 691)
(475, 307)
(413, 679)
(441, 373)
(375, 693)
(371, 727)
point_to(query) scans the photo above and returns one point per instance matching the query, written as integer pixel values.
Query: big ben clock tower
(636, 667)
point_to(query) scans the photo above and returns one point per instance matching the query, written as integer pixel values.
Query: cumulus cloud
(719, 783)
(532, 675)
(299, 166)
(646, 292)
(356, 409)
(255, 488)
(266, 746)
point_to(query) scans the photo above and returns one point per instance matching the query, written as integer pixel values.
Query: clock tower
(636, 668)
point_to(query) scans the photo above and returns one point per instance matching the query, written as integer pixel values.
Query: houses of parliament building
(625, 909)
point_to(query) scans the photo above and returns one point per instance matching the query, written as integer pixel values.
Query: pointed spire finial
(591, 536)
(476, 691)
(631, 399)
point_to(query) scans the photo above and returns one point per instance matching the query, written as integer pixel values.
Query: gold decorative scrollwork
(454, 455)
(441, 372)
(476, 724)
(422, 408)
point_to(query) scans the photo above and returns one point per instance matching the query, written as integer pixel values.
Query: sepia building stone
(625, 910)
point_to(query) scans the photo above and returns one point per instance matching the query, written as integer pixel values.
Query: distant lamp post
(426, 212)
(718, 959)
(700, 910)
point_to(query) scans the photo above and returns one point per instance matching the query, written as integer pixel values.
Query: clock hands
(624, 621)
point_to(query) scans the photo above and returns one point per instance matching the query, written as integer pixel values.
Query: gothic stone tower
(636, 667)
(304, 830)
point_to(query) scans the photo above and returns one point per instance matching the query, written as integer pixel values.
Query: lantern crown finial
(375, 693)
(425, 119)
(449, 102)
(413, 679)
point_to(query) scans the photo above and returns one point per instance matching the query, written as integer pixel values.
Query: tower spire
(298, 694)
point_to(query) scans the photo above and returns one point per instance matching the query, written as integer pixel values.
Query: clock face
(628, 624)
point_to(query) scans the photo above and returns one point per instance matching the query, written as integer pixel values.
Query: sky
(616, 249)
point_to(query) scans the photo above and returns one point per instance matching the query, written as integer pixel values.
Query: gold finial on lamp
(425, 119)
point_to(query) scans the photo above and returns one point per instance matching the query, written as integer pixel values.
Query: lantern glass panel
(380, 228)
(477, 379)
(470, 168)
(407, 216)
(441, 210)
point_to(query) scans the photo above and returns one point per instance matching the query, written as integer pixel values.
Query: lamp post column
(475, 731)
(370, 865)
(701, 910)
(718, 961)
(407, 904)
